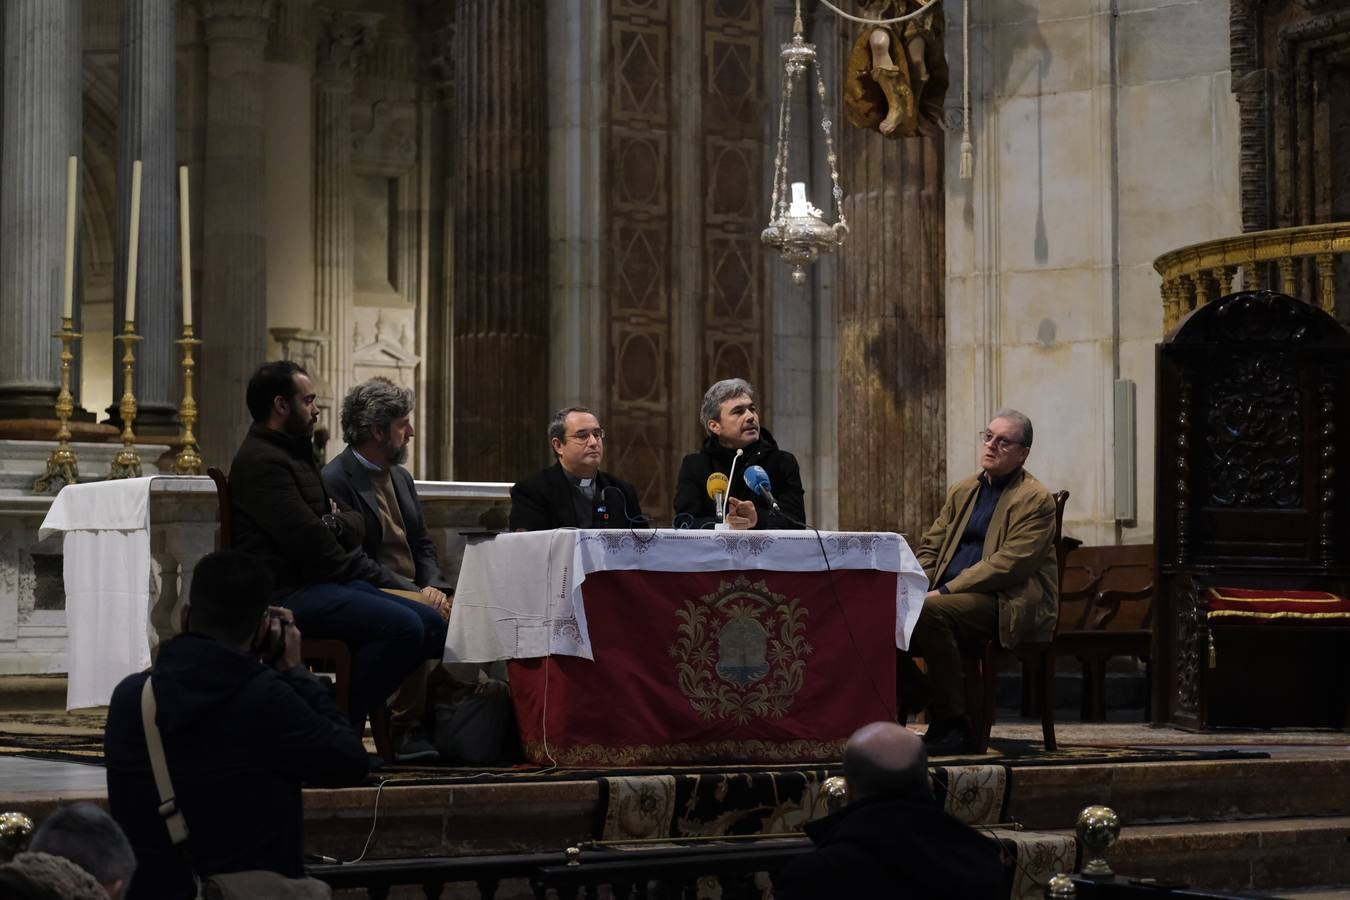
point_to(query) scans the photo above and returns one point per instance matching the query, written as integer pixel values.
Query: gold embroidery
(1244, 614)
(741, 652)
(671, 754)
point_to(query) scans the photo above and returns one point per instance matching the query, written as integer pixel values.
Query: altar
(669, 647)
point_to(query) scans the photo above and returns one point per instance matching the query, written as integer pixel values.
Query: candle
(134, 245)
(68, 303)
(185, 241)
(799, 205)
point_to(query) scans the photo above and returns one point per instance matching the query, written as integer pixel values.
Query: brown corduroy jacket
(1018, 565)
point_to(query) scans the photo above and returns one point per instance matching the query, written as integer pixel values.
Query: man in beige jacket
(990, 558)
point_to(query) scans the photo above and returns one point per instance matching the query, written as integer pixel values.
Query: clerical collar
(365, 462)
(577, 479)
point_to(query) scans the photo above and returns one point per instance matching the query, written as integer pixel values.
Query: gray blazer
(348, 482)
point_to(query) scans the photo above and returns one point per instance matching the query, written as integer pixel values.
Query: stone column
(345, 41)
(40, 127)
(892, 333)
(146, 131)
(234, 277)
(501, 280)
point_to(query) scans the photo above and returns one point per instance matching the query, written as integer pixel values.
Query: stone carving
(390, 138)
(1254, 428)
(1283, 57)
(347, 38)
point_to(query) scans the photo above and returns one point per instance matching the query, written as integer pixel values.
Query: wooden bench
(1106, 611)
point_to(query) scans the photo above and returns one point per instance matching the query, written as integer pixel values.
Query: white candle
(134, 245)
(185, 241)
(68, 303)
(799, 205)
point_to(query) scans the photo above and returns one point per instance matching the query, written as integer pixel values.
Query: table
(688, 647)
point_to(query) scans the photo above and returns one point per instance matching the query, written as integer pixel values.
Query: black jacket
(238, 738)
(693, 506)
(348, 482)
(893, 847)
(277, 499)
(544, 500)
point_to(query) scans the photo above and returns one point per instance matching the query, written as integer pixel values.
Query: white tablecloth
(106, 567)
(519, 595)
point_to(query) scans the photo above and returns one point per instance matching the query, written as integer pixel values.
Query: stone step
(1261, 855)
(1047, 797)
(33, 693)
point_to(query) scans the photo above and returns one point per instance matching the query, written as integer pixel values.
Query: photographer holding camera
(242, 724)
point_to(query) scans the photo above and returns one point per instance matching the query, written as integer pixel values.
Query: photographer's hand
(282, 627)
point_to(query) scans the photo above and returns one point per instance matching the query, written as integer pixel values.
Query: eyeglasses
(582, 437)
(1000, 444)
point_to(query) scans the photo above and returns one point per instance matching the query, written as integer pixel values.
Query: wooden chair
(979, 661)
(321, 654)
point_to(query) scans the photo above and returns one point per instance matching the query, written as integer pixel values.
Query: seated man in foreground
(284, 517)
(892, 839)
(242, 723)
(369, 477)
(731, 419)
(573, 492)
(990, 557)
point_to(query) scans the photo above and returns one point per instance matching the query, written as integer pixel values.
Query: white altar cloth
(107, 576)
(519, 595)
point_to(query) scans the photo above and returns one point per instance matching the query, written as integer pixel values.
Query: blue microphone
(758, 481)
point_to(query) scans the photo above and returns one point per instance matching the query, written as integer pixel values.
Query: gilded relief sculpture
(896, 76)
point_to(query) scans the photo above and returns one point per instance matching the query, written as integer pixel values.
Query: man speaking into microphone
(736, 442)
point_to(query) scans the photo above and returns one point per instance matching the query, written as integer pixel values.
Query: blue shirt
(970, 549)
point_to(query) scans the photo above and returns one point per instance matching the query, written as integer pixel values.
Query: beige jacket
(1019, 564)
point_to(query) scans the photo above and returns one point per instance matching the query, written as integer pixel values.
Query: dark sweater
(278, 501)
(238, 739)
(894, 847)
(693, 506)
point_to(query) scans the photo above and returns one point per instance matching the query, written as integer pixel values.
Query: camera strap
(154, 745)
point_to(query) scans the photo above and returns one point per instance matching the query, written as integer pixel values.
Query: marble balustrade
(183, 529)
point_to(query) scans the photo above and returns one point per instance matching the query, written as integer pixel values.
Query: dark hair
(557, 426)
(88, 837)
(376, 403)
(230, 592)
(272, 380)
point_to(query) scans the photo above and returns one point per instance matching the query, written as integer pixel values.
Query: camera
(272, 646)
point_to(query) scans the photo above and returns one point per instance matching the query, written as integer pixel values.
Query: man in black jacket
(892, 839)
(239, 734)
(284, 517)
(369, 477)
(732, 421)
(573, 492)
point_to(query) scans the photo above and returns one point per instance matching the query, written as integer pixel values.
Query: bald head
(886, 758)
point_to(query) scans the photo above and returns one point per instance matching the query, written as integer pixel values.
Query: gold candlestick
(63, 467)
(127, 462)
(189, 458)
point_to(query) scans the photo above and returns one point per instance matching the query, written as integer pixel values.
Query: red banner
(714, 667)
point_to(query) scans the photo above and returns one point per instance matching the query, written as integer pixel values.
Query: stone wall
(1105, 133)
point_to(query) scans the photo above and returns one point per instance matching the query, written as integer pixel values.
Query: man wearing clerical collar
(990, 558)
(573, 492)
(369, 477)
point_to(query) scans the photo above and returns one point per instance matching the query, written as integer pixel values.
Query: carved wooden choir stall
(1253, 531)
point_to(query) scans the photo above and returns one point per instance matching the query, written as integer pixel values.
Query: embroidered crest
(741, 652)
